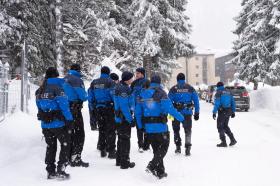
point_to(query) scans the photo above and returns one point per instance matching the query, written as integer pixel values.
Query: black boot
(128, 165)
(79, 163)
(52, 175)
(61, 174)
(151, 169)
(223, 141)
(112, 155)
(188, 151)
(103, 153)
(178, 150)
(232, 142)
(161, 175)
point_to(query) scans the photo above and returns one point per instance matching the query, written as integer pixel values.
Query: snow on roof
(216, 52)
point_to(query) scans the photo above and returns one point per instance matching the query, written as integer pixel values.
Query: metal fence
(14, 93)
(4, 86)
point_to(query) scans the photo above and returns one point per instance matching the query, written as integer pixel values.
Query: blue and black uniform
(124, 103)
(184, 98)
(76, 93)
(224, 104)
(137, 87)
(102, 106)
(54, 113)
(151, 114)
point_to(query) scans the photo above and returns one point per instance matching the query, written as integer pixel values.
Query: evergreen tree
(256, 43)
(159, 29)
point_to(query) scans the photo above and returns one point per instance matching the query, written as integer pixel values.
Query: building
(199, 69)
(225, 69)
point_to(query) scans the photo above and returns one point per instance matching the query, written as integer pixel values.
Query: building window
(196, 75)
(197, 58)
(197, 83)
(197, 66)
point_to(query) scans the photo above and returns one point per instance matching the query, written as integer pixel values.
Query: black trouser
(222, 124)
(92, 119)
(123, 144)
(51, 137)
(160, 144)
(142, 139)
(188, 131)
(107, 129)
(78, 135)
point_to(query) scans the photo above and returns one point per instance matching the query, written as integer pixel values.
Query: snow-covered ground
(254, 161)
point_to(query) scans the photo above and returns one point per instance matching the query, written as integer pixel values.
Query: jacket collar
(104, 76)
(74, 73)
(154, 85)
(55, 81)
(181, 82)
(221, 88)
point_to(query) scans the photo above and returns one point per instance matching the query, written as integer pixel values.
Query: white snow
(254, 161)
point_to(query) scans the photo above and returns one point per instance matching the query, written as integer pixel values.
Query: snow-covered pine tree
(160, 30)
(274, 73)
(10, 32)
(89, 33)
(256, 43)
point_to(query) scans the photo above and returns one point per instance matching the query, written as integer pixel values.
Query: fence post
(22, 77)
(6, 85)
(2, 92)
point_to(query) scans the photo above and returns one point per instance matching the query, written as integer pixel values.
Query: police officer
(137, 87)
(76, 93)
(56, 119)
(224, 104)
(101, 103)
(115, 77)
(124, 105)
(151, 114)
(184, 97)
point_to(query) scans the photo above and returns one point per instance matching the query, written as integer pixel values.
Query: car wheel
(246, 110)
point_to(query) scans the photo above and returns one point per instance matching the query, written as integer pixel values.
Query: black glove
(69, 124)
(196, 116)
(233, 115)
(214, 116)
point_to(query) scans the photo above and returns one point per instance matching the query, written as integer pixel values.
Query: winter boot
(128, 165)
(52, 175)
(103, 153)
(112, 155)
(150, 169)
(232, 142)
(188, 151)
(61, 174)
(161, 175)
(79, 163)
(223, 141)
(178, 150)
(140, 150)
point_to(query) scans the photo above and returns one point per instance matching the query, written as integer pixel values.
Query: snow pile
(266, 98)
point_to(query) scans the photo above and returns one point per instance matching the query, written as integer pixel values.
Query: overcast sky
(213, 23)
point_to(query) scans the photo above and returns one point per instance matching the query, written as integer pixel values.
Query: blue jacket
(53, 98)
(124, 102)
(100, 93)
(74, 87)
(137, 87)
(185, 94)
(223, 99)
(154, 102)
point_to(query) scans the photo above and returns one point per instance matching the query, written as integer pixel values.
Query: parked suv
(241, 97)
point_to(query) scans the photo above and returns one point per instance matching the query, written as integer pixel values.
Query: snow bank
(266, 98)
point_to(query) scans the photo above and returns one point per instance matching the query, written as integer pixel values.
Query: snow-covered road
(254, 161)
